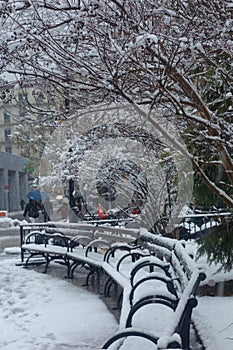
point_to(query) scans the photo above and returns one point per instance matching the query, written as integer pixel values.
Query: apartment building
(13, 181)
(19, 156)
(8, 119)
(22, 114)
(14, 105)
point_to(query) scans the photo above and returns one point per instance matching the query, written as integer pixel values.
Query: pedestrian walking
(32, 210)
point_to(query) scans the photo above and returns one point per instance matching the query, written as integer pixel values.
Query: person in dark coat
(32, 209)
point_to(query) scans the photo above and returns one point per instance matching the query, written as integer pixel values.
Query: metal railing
(199, 224)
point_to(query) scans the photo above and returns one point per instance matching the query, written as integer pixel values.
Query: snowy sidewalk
(41, 312)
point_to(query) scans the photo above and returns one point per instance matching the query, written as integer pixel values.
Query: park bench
(48, 246)
(149, 269)
(166, 279)
(94, 248)
(46, 242)
(53, 227)
(96, 251)
(70, 244)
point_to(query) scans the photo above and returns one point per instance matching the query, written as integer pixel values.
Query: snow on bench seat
(52, 249)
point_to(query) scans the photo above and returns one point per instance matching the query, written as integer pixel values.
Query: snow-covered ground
(41, 312)
(214, 317)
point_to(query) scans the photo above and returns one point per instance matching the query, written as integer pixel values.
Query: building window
(7, 134)
(7, 118)
(8, 149)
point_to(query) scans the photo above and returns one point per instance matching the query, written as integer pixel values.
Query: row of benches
(66, 243)
(151, 271)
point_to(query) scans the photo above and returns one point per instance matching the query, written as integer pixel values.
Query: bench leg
(93, 271)
(47, 263)
(31, 256)
(72, 267)
(119, 302)
(50, 258)
(107, 286)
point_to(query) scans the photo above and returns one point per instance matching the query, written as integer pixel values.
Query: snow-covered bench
(48, 246)
(102, 249)
(68, 230)
(107, 240)
(159, 297)
(51, 241)
(73, 244)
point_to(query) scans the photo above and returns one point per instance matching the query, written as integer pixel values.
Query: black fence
(200, 224)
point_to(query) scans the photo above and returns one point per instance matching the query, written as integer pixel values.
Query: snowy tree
(166, 58)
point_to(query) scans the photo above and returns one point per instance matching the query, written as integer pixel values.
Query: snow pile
(12, 250)
(8, 222)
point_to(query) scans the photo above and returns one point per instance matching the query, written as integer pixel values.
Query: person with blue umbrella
(36, 199)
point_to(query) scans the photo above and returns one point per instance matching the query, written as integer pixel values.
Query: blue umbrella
(44, 196)
(37, 195)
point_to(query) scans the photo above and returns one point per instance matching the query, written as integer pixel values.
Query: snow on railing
(198, 224)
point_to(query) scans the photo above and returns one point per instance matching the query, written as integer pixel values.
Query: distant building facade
(7, 124)
(21, 112)
(13, 181)
(24, 131)
(12, 110)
